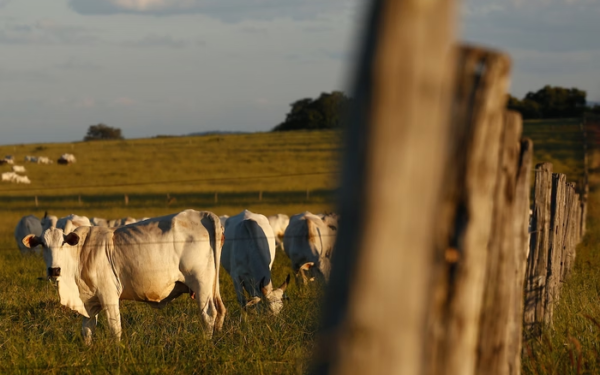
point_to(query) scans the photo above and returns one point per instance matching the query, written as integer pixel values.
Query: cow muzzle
(54, 272)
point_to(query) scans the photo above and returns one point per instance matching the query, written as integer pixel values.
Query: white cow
(309, 242)
(248, 255)
(98, 222)
(154, 262)
(67, 159)
(120, 222)
(279, 222)
(31, 159)
(223, 219)
(28, 225)
(44, 160)
(51, 221)
(13, 177)
(18, 169)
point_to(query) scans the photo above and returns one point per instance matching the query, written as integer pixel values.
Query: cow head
(61, 259)
(56, 250)
(274, 297)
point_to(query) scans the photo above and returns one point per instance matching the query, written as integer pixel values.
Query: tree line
(328, 110)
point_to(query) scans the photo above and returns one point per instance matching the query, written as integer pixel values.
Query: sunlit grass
(37, 334)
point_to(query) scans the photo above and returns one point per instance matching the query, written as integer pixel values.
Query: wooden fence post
(537, 264)
(521, 248)
(557, 234)
(493, 355)
(467, 211)
(126, 200)
(375, 309)
(570, 240)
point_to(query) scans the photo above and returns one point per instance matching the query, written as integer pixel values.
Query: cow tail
(218, 301)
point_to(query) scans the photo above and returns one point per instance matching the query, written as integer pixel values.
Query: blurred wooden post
(557, 235)
(570, 241)
(376, 304)
(521, 248)
(126, 200)
(585, 188)
(537, 265)
(493, 355)
(36, 201)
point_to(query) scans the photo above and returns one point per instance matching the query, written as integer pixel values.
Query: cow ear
(252, 302)
(283, 286)
(72, 239)
(31, 241)
(307, 266)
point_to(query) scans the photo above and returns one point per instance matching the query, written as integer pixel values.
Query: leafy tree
(325, 112)
(102, 132)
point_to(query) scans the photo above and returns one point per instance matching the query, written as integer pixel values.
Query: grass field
(39, 335)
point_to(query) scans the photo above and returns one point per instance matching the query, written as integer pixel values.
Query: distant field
(37, 334)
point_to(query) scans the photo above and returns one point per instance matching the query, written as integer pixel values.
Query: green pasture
(267, 173)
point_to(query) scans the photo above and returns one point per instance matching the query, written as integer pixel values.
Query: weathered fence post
(493, 346)
(557, 233)
(374, 317)
(467, 211)
(537, 265)
(521, 249)
(126, 200)
(570, 240)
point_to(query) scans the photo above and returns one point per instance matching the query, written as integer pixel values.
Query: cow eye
(333, 227)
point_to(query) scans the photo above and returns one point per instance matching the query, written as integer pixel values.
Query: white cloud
(225, 10)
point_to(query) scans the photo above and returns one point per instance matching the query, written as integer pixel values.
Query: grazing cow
(98, 222)
(18, 169)
(28, 225)
(44, 160)
(66, 159)
(309, 241)
(248, 255)
(223, 219)
(31, 159)
(50, 221)
(13, 177)
(279, 222)
(154, 262)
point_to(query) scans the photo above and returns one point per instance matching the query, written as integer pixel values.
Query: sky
(155, 67)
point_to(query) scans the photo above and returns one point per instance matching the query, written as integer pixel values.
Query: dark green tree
(325, 112)
(102, 132)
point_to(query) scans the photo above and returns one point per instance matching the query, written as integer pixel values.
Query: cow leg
(239, 291)
(114, 319)
(88, 326)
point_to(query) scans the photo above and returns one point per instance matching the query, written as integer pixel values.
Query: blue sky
(180, 66)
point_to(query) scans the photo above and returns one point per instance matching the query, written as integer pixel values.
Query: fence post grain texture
(375, 310)
(556, 238)
(467, 211)
(537, 265)
(521, 248)
(493, 355)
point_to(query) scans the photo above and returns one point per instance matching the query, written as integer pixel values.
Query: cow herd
(14, 176)
(95, 263)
